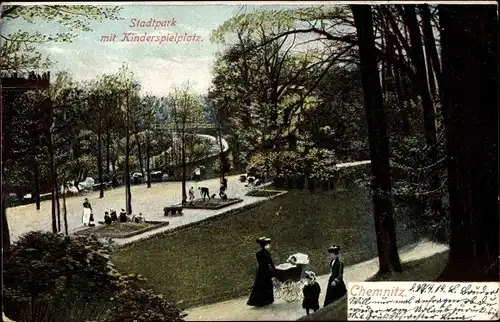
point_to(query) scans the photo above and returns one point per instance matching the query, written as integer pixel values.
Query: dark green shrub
(51, 277)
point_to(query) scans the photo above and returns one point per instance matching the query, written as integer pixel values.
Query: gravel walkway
(149, 201)
(237, 310)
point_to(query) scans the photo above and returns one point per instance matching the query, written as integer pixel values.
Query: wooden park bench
(172, 210)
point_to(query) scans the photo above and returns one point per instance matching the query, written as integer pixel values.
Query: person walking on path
(191, 195)
(262, 291)
(311, 293)
(87, 211)
(336, 287)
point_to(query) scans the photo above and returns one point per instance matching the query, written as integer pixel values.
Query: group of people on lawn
(88, 215)
(109, 217)
(205, 192)
(263, 294)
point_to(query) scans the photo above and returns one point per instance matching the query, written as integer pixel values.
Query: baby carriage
(289, 277)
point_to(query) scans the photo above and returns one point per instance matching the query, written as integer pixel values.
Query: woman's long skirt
(333, 293)
(86, 216)
(262, 291)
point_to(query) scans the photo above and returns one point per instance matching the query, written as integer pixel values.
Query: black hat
(334, 249)
(263, 241)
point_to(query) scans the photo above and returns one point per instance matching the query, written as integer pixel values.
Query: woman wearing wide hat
(336, 287)
(262, 291)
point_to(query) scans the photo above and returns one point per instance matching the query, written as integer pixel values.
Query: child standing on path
(191, 195)
(311, 293)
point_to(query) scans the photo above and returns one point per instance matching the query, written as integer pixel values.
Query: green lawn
(216, 261)
(426, 269)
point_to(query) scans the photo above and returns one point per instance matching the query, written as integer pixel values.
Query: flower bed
(212, 204)
(263, 193)
(122, 230)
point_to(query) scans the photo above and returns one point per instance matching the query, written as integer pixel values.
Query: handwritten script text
(420, 301)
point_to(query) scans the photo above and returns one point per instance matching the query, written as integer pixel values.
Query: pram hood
(298, 258)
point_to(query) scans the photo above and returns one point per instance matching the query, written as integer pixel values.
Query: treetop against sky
(164, 45)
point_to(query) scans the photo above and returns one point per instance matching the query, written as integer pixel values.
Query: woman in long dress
(262, 291)
(336, 287)
(87, 211)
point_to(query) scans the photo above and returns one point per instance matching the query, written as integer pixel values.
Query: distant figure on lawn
(114, 217)
(205, 192)
(138, 219)
(107, 218)
(311, 293)
(336, 287)
(191, 195)
(262, 291)
(87, 211)
(123, 215)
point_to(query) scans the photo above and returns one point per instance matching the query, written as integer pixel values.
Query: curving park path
(237, 310)
(214, 149)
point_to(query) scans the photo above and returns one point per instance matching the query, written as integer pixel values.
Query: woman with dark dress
(262, 291)
(311, 293)
(336, 287)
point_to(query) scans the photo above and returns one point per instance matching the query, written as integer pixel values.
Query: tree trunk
(99, 159)
(108, 148)
(65, 212)
(378, 142)
(430, 72)
(58, 208)
(311, 184)
(36, 177)
(5, 224)
(139, 149)
(148, 158)
(113, 166)
(128, 194)
(422, 86)
(430, 41)
(53, 180)
(221, 151)
(165, 155)
(184, 164)
(470, 110)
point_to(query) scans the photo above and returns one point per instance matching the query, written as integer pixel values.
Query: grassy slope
(216, 261)
(426, 269)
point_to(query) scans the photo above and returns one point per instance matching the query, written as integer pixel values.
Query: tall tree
(422, 86)
(469, 42)
(186, 111)
(378, 142)
(430, 42)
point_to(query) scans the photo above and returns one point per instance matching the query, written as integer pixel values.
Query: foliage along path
(237, 310)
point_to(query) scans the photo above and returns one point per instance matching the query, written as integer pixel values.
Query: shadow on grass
(425, 269)
(216, 261)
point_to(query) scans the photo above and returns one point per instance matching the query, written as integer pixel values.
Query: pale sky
(158, 66)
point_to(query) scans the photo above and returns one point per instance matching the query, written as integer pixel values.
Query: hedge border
(205, 221)
(156, 225)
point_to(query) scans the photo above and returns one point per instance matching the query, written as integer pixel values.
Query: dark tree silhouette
(378, 142)
(470, 107)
